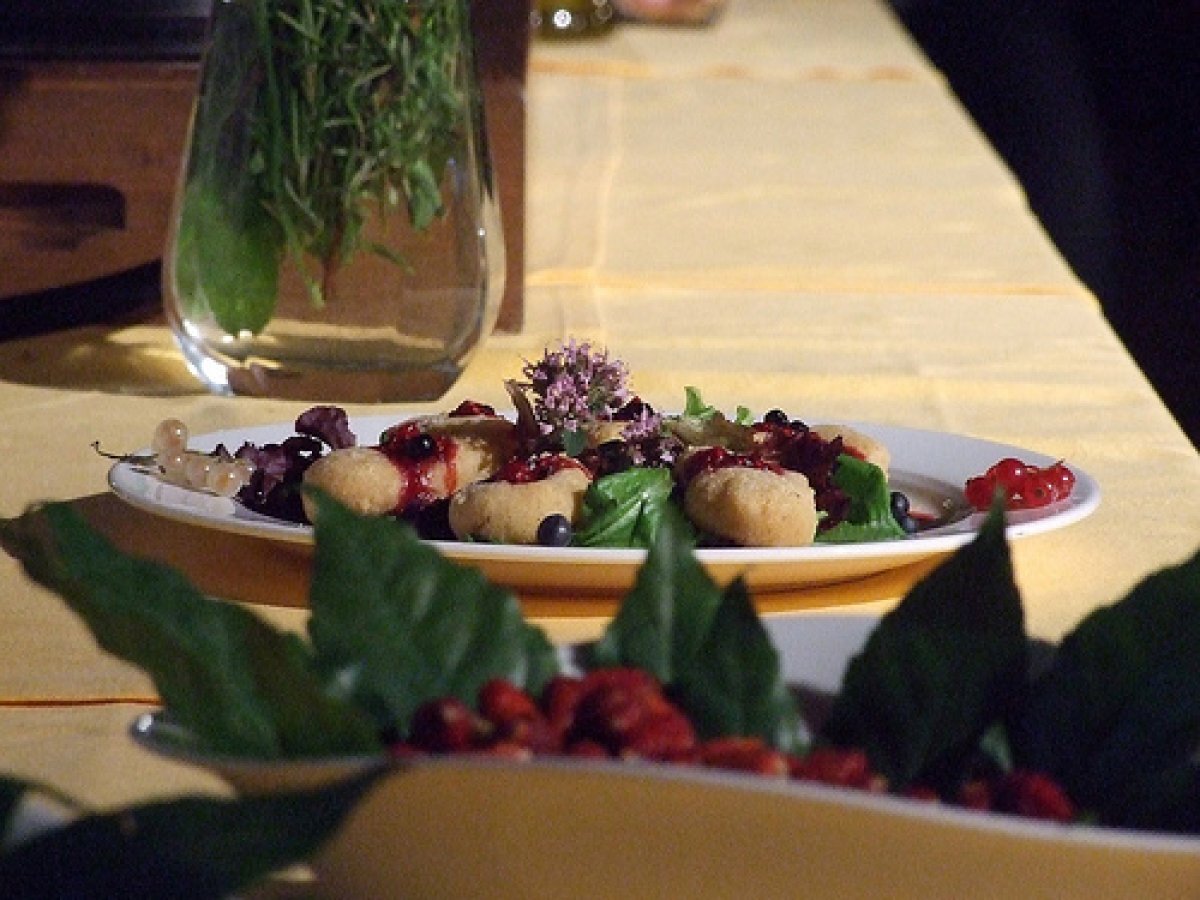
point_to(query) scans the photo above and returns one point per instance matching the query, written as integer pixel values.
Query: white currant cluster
(218, 474)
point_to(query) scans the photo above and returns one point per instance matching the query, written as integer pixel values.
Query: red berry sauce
(420, 456)
(712, 458)
(540, 466)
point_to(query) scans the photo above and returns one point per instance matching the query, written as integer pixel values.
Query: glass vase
(335, 234)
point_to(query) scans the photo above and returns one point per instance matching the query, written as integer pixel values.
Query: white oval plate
(930, 467)
(442, 828)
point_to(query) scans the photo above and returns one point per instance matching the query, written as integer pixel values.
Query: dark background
(1095, 106)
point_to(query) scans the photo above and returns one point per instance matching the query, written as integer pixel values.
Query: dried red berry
(502, 701)
(587, 749)
(837, 766)
(445, 725)
(559, 700)
(976, 794)
(625, 711)
(744, 754)
(1035, 795)
(663, 735)
(607, 715)
(922, 794)
(506, 750)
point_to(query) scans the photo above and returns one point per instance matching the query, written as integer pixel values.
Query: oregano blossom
(576, 385)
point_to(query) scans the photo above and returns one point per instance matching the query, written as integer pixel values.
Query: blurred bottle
(573, 18)
(670, 12)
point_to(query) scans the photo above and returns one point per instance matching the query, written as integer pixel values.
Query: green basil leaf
(625, 509)
(665, 618)
(1119, 704)
(188, 848)
(394, 623)
(939, 669)
(706, 646)
(228, 256)
(870, 517)
(734, 683)
(239, 685)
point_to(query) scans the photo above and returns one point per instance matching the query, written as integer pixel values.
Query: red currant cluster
(1025, 486)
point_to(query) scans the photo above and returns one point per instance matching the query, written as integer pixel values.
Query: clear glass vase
(335, 234)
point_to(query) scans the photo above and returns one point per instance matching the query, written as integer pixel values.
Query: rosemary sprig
(360, 106)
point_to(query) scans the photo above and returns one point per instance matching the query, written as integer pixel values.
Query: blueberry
(776, 417)
(420, 446)
(901, 512)
(555, 531)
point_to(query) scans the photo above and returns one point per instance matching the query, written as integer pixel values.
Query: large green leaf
(239, 685)
(665, 619)
(228, 248)
(395, 624)
(707, 646)
(1120, 704)
(938, 669)
(228, 255)
(734, 684)
(187, 848)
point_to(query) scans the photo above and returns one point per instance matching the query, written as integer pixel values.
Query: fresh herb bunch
(314, 116)
(359, 102)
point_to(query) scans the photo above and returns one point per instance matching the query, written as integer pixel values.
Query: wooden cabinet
(90, 152)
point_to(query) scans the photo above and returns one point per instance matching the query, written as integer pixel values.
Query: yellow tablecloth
(787, 208)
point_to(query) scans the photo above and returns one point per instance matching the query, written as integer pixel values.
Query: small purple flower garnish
(575, 386)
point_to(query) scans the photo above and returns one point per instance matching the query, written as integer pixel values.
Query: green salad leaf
(241, 686)
(195, 848)
(1116, 716)
(701, 424)
(706, 645)
(870, 517)
(394, 624)
(939, 669)
(625, 509)
(695, 407)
